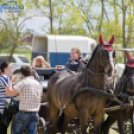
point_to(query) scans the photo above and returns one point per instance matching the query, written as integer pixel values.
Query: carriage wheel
(91, 126)
(41, 126)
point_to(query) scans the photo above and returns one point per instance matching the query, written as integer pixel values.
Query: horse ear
(111, 41)
(101, 42)
(128, 56)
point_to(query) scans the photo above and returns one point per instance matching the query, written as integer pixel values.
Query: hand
(13, 78)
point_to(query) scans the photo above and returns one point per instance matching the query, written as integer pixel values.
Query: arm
(10, 91)
(47, 65)
(34, 63)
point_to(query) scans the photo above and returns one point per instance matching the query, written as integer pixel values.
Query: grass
(8, 130)
(113, 132)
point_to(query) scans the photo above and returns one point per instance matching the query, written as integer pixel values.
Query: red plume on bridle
(107, 45)
(130, 60)
(101, 42)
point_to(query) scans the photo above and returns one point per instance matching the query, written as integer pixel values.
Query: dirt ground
(111, 131)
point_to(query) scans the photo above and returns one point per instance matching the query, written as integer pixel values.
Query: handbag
(12, 107)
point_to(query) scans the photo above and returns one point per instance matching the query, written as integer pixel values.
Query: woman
(75, 62)
(6, 71)
(39, 62)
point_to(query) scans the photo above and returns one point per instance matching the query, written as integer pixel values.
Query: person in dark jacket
(75, 62)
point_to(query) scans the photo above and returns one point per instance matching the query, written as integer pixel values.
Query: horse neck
(96, 80)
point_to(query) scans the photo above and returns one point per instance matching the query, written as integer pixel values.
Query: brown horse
(62, 86)
(124, 90)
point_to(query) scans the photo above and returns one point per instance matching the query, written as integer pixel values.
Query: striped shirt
(4, 81)
(30, 92)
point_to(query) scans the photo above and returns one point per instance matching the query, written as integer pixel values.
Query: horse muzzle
(110, 69)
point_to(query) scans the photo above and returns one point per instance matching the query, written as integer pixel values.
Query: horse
(62, 86)
(124, 90)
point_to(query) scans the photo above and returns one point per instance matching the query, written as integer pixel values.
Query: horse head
(107, 52)
(130, 73)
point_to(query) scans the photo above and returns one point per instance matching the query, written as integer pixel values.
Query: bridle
(102, 62)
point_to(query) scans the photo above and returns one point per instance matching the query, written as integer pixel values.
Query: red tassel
(101, 42)
(111, 41)
(128, 56)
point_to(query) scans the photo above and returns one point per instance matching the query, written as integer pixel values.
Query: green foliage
(74, 17)
(11, 27)
(111, 28)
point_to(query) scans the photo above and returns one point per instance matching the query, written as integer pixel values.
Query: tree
(12, 25)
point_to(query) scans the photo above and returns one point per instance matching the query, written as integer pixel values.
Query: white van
(17, 61)
(56, 48)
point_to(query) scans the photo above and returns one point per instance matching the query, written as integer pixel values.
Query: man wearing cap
(30, 92)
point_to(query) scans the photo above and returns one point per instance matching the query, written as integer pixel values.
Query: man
(30, 92)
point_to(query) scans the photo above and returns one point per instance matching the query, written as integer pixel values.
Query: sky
(36, 24)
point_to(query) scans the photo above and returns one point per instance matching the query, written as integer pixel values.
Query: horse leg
(53, 119)
(120, 123)
(84, 116)
(132, 123)
(106, 124)
(97, 122)
(67, 119)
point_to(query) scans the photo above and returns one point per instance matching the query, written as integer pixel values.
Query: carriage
(73, 126)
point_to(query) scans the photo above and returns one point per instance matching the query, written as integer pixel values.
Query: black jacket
(76, 65)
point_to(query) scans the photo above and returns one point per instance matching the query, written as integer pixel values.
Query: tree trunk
(102, 15)
(51, 17)
(123, 26)
(116, 13)
(11, 53)
(130, 29)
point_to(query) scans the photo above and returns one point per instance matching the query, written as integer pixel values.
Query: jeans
(25, 121)
(3, 126)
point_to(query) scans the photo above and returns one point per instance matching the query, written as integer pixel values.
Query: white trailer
(56, 48)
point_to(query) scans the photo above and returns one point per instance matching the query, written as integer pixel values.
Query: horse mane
(121, 83)
(92, 55)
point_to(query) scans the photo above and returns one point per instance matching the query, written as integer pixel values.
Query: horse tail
(49, 91)
(60, 122)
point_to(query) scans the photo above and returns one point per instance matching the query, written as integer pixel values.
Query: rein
(101, 62)
(95, 73)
